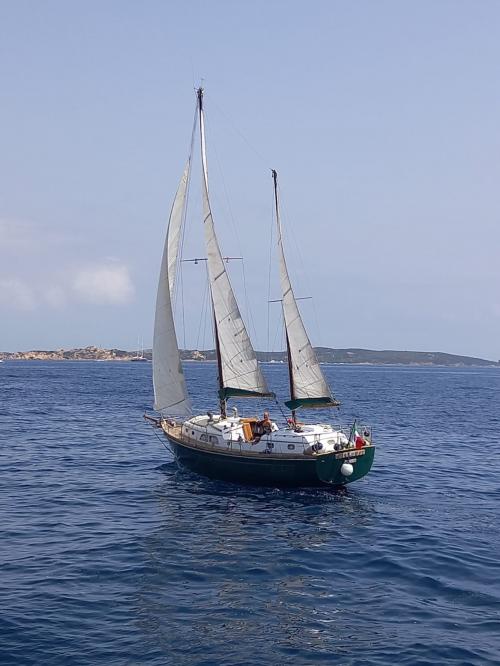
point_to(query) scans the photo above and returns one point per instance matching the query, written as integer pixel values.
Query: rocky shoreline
(324, 354)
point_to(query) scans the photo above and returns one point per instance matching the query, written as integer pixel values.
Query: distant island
(324, 354)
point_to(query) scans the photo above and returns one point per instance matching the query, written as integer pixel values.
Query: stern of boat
(339, 469)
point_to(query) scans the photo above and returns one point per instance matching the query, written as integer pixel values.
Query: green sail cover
(228, 392)
(312, 403)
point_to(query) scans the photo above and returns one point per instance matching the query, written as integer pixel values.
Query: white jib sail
(175, 227)
(240, 369)
(308, 379)
(171, 397)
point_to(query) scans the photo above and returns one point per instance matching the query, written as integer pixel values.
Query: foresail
(171, 397)
(175, 226)
(309, 385)
(241, 375)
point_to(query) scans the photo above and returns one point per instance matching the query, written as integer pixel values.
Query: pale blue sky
(382, 119)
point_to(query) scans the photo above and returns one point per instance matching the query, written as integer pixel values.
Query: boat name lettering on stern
(349, 454)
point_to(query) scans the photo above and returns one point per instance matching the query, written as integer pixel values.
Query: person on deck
(263, 427)
(266, 423)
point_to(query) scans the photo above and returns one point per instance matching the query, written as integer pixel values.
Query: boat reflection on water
(232, 566)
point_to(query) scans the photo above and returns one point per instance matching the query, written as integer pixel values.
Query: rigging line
(233, 223)
(186, 204)
(192, 72)
(226, 195)
(269, 278)
(190, 158)
(247, 304)
(181, 274)
(279, 333)
(200, 323)
(304, 276)
(240, 134)
(207, 288)
(224, 188)
(283, 414)
(248, 313)
(166, 446)
(202, 316)
(212, 322)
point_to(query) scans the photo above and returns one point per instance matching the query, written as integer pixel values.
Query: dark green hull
(271, 471)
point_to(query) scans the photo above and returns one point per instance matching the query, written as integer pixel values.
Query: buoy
(347, 469)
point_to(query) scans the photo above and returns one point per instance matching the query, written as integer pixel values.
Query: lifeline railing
(364, 431)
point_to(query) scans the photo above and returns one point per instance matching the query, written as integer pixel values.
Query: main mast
(222, 399)
(289, 356)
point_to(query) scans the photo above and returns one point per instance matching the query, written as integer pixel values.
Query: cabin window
(213, 439)
(291, 447)
(203, 438)
(192, 432)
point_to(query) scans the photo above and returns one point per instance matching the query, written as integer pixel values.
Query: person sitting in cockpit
(263, 427)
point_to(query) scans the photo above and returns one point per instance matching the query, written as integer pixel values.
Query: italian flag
(353, 434)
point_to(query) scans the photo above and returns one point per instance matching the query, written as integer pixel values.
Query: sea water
(110, 554)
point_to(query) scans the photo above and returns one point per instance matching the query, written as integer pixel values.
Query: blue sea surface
(110, 554)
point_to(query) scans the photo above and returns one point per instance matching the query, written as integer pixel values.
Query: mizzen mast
(308, 387)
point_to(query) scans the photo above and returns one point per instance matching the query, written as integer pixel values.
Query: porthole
(291, 447)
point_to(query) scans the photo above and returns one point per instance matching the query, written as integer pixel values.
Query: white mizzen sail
(307, 384)
(170, 390)
(241, 375)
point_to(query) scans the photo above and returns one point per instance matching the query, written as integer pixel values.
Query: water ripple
(111, 554)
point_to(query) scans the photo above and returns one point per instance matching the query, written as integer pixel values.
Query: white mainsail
(241, 374)
(170, 390)
(308, 385)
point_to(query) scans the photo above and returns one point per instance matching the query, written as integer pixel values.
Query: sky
(382, 119)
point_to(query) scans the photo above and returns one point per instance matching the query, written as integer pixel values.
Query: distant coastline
(324, 354)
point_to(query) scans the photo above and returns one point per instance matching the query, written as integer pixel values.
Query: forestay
(241, 375)
(308, 385)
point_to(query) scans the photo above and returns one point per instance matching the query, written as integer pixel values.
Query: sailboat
(222, 444)
(139, 357)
